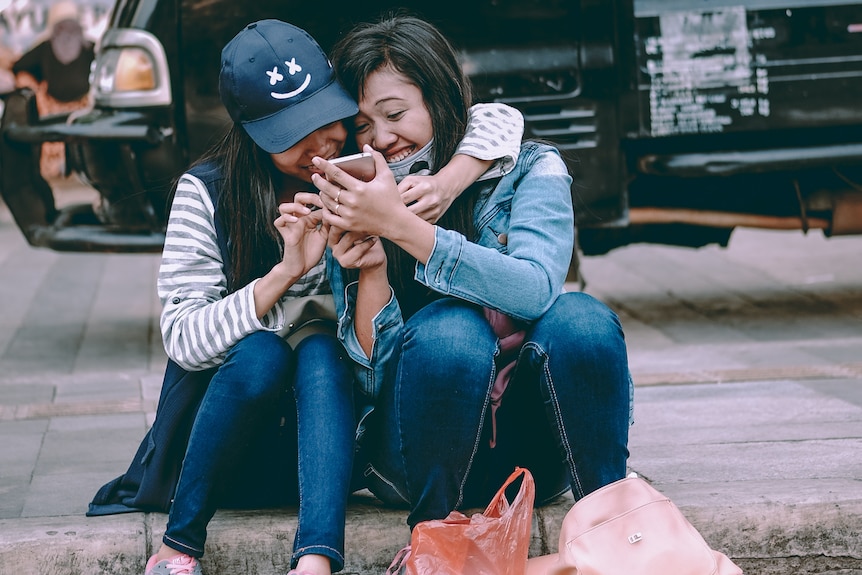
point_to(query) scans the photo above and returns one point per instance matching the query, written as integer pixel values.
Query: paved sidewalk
(748, 410)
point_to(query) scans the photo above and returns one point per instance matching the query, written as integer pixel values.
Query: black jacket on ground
(151, 479)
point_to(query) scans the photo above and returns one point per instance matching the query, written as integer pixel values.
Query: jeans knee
(320, 348)
(585, 321)
(451, 330)
(258, 368)
(321, 363)
(579, 334)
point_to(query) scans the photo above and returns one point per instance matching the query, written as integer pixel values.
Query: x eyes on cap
(276, 81)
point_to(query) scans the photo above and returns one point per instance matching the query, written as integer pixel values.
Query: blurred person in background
(7, 78)
(57, 68)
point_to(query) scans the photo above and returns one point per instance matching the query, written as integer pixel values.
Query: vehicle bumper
(733, 163)
(125, 220)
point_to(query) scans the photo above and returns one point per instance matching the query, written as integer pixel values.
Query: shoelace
(182, 565)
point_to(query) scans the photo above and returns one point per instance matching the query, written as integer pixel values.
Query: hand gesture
(355, 250)
(373, 208)
(303, 232)
(426, 196)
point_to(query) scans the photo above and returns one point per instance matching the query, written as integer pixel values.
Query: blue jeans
(276, 426)
(564, 416)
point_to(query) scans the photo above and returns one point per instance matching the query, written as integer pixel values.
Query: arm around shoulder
(494, 132)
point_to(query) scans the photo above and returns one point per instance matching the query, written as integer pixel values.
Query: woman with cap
(249, 416)
(481, 361)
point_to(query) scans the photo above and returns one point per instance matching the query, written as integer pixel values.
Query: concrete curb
(763, 539)
(778, 539)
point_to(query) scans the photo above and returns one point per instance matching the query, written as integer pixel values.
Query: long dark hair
(419, 51)
(246, 206)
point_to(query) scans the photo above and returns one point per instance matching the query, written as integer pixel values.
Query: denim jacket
(518, 264)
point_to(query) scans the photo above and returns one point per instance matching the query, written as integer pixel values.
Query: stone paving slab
(739, 432)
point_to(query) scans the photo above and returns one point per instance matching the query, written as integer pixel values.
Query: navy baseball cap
(276, 81)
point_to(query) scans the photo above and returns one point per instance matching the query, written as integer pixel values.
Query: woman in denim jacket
(440, 318)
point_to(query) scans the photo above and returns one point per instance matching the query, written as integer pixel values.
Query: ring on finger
(338, 195)
(336, 208)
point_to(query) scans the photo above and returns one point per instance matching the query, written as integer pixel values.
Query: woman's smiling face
(325, 142)
(392, 116)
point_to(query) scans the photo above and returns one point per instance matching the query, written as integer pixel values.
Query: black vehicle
(680, 119)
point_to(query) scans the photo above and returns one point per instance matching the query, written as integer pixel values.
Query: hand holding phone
(360, 166)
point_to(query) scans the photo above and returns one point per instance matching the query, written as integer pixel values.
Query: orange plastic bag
(495, 542)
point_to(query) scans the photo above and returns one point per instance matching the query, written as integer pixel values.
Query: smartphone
(360, 166)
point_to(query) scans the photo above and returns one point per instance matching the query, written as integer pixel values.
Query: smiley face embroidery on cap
(275, 77)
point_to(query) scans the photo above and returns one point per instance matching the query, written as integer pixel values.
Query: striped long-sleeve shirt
(200, 320)
(494, 132)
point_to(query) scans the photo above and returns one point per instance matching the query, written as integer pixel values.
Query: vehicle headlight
(130, 70)
(125, 70)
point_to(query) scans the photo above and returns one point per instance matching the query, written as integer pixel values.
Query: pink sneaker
(180, 565)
